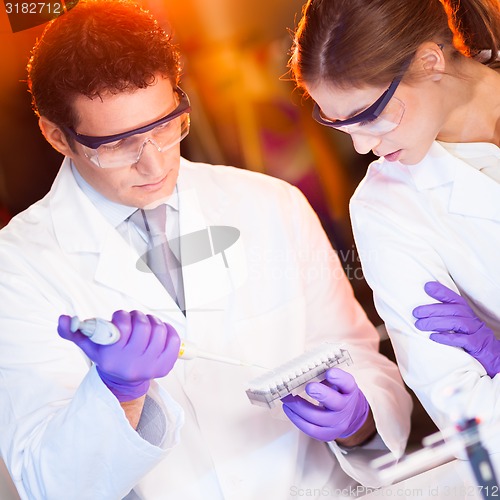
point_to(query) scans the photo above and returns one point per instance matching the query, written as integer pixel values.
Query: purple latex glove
(342, 411)
(458, 326)
(147, 349)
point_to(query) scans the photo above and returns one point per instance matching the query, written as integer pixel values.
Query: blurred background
(245, 112)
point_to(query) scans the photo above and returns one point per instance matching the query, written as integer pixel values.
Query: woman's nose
(364, 143)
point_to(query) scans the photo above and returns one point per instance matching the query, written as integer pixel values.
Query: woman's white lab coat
(437, 220)
(63, 434)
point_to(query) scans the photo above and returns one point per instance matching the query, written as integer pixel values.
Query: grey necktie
(160, 258)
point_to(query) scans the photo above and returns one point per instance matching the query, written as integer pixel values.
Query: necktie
(160, 258)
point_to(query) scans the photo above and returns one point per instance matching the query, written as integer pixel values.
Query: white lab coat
(437, 220)
(63, 434)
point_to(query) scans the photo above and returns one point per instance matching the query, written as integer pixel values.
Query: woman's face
(410, 140)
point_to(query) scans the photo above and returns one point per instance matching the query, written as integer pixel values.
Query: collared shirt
(117, 214)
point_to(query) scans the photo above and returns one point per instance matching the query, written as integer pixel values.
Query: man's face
(154, 176)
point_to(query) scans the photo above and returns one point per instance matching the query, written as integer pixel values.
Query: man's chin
(157, 202)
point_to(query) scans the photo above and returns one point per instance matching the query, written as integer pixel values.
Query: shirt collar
(114, 213)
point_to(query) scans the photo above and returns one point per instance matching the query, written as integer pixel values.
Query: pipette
(104, 332)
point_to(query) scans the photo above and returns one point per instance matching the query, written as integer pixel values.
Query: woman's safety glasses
(383, 116)
(125, 149)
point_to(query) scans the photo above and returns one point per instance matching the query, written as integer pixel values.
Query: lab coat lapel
(208, 282)
(80, 228)
(119, 268)
(475, 194)
(472, 194)
(194, 222)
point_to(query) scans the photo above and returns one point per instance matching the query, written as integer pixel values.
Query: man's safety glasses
(125, 149)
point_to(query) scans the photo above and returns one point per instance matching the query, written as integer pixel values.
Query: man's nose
(150, 158)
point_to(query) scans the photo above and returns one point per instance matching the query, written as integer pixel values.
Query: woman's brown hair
(367, 42)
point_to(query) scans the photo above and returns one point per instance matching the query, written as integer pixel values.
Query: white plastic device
(292, 376)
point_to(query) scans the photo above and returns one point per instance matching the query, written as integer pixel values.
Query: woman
(418, 83)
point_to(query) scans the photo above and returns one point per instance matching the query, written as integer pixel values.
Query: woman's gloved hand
(457, 325)
(147, 349)
(342, 411)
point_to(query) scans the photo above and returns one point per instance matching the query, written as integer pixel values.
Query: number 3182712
(33, 8)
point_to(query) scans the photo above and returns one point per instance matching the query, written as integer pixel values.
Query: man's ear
(55, 136)
(431, 61)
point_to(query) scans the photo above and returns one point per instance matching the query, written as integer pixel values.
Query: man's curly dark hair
(97, 48)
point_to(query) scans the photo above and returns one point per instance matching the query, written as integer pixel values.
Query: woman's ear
(431, 61)
(55, 136)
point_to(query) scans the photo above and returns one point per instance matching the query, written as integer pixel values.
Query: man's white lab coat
(277, 291)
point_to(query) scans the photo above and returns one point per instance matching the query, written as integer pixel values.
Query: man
(82, 420)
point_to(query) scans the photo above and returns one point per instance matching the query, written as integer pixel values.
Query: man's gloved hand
(342, 411)
(457, 325)
(147, 349)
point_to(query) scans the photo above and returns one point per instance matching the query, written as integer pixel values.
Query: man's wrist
(133, 410)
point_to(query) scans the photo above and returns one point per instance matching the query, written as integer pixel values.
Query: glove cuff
(360, 415)
(124, 391)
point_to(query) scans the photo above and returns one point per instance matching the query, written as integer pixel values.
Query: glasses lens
(390, 117)
(388, 120)
(127, 152)
(171, 133)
